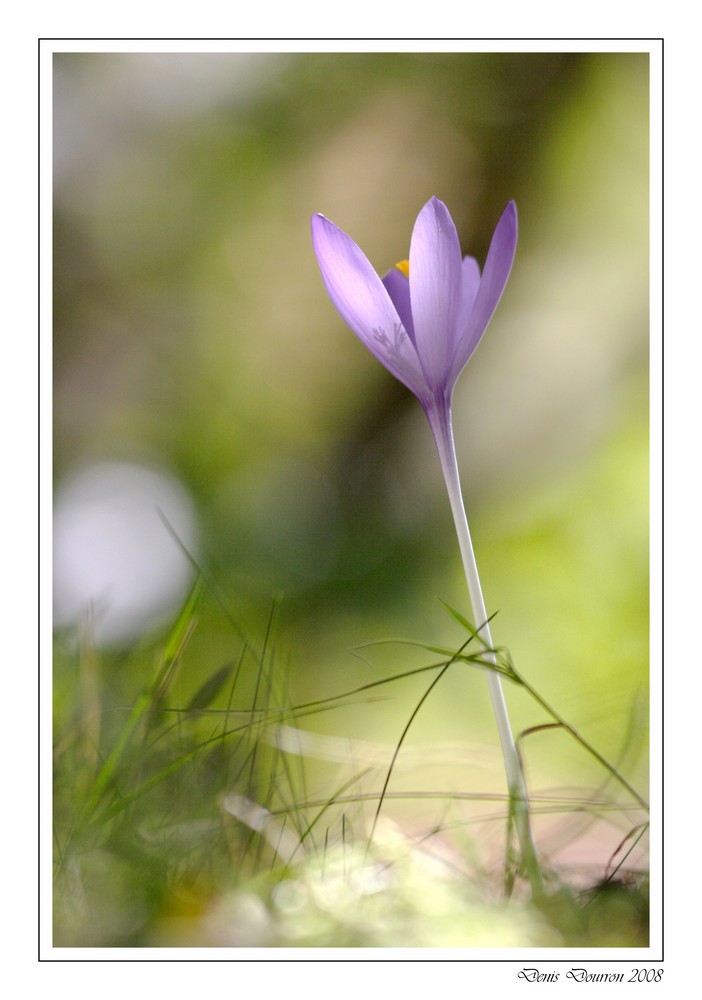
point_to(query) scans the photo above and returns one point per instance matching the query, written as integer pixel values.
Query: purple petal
(435, 290)
(364, 304)
(397, 286)
(469, 289)
(492, 284)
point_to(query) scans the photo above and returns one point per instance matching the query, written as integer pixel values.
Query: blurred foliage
(193, 334)
(180, 823)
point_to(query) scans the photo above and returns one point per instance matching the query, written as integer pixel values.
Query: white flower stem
(440, 422)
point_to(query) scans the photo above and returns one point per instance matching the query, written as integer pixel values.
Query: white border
(486, 961)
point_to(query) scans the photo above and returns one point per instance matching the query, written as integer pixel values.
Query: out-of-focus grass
(205, 822)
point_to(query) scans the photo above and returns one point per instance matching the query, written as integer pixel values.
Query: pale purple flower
(423, 321)
(423, 325)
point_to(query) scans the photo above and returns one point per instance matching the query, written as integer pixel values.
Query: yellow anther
(403, 265)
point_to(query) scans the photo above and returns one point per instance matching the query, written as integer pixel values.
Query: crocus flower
(426, 317)
(423, 321)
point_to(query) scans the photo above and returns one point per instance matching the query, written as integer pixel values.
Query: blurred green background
(194, 339)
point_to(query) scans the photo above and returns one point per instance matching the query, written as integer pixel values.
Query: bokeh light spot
(114, 552)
